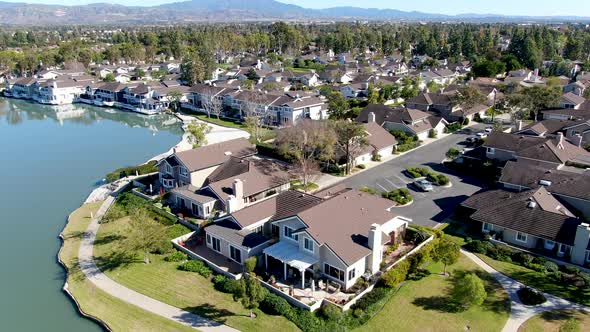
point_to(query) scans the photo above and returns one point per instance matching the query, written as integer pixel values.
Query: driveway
(428, 209)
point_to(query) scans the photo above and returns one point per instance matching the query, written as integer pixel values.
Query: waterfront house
(195, 165)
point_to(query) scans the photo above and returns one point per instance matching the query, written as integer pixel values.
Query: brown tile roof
(549, 126)
(547, 219)
(215, 154)
(378, 137)
(233, 234)
(342, 222)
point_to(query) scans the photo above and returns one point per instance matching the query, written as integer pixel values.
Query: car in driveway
(482, 135)
(423, 185)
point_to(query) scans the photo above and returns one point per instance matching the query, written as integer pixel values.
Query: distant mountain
(194, 11)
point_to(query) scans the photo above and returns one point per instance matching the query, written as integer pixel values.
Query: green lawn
(539, 280)
(551, 321)
(221, 121)
(119, 315)
(421, 305)
(186, 290)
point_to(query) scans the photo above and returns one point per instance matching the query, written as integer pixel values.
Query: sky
(505, 7)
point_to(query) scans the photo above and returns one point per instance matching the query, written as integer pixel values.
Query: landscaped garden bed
(401, 196)
(436, 178)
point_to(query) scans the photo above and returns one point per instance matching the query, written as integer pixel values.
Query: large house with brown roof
(380, 143)
(554, 153)
(411, 121)
(195, 165)
(534, 220)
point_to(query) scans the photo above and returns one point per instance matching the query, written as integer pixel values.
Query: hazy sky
(507, 7)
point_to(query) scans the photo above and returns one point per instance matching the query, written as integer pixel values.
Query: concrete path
(93, 273)
(520, 313)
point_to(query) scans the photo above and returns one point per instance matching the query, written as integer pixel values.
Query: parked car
(472, 139)
(489, 130)
(424, 185)
(482, 135)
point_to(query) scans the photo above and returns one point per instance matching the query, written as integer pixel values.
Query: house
(571, 100)
(234, 185)
(546, 128)
(566, 114)
(23, 88)
(570, 187)
(108, 93)
(578, 88)
(411, 121)
(340, 238)
(245, 233)
(59, 91)
(534, 220)
(552, 153)
(195, 165)
(380, 143)
(336, 74)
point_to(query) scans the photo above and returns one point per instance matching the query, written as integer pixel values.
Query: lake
(50, 160)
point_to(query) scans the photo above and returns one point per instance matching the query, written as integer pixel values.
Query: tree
(250, 293)
(307, 143)
(144, 234)
(140, 72)
(175, 97)
(338, 105)
(198, 133)
(213, 104)
(252, 75)
(535, 98)
(109, 77)
(447, 252)
(193, 70)
(469, 96)
(254, 112)
(488, 68)
(468, 291)
(351, 139)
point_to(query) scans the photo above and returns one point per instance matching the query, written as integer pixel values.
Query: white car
(424, 185)
(482, 135)
(489, 130)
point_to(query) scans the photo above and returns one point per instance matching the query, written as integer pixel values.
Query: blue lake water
(50, 160)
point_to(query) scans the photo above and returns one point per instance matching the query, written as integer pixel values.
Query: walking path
(93, 273)
(520, 313)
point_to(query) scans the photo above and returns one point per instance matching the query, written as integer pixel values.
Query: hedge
(418, 172)
(177, 256)
(401, 196)
(196, 266)
(120, 173)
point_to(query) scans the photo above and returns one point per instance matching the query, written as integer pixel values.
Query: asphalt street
(428, 208)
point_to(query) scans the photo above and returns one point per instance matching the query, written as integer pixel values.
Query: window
(196, 209)
(183, 171)
(491, 150)
(258, 230)
(333, 272)
(288, 232)
(216, 244)
(351, 274)
(522, 237)
(207, 209)
(487, 227)
(169, 169)
(549, 244)
(308, 244)
(235, 254)
(208, 238)
(587, 256)
(563, 248)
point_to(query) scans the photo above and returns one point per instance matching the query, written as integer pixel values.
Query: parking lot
(428, 208)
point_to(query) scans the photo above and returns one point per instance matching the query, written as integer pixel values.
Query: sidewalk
(520, 313)
(93, 273)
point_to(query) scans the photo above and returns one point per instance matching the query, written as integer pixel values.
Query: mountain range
(202, 11)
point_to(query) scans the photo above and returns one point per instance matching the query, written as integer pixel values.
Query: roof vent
(545, 183)
(532, 205)
(227, 153)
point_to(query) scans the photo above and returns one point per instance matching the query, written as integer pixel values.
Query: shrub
(477, 117)
(479, 247)
(401, 196)
(196, 266)
(468, 290)
(540, 260)
(397, 274)
(417, 172)
(250, 264)
(225, 284)
(127, 171)
(551, 267)
(376, 157)
(453, 127)
(331, 312)
(305, 320)
(275, 305)
(361, 166)
(570, 269)
(369, 190)
(530, 297)
(432, 133)
(177, 256)
(522, 258)
(372, 297)
(453, 153)
(439, 179)
(466, 121)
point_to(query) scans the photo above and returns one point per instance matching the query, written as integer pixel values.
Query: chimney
(376, 246)
(371, 117)
(238, 189)
(536, 72)
(560, 140)
(174, 150)
(519, 125)
(578, 255)
(577, 140)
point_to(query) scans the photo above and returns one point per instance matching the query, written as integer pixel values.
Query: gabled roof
(233, 234)
(570, 98)
(343, 222)
(548, 126)
(378, 137)
(215, 154)
(546, 218)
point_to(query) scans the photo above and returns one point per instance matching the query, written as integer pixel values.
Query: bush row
(196, 266)
(401, 196)
(127, 171)
(437, 178)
